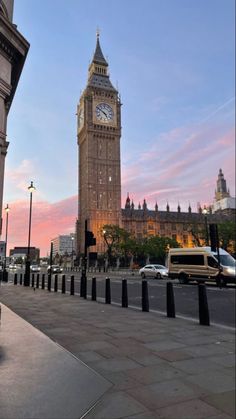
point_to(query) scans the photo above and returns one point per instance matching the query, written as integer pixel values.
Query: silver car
(154, 271)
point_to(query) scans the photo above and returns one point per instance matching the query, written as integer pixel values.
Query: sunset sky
(173, 64)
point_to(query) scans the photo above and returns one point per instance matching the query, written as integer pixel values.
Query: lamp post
(7, 209)
(205, 212)
(31, 189)
(51, 257)
(72, 251)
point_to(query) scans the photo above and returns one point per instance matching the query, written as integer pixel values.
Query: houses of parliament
(99, 134)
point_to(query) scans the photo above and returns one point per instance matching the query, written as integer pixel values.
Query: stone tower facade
(99, 132)
(221, 188)
(13, 51)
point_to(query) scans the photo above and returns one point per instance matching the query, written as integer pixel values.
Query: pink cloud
(184, 168)
(48, 221)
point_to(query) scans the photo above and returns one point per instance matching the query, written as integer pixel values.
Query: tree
(227, 237)
(116, 240)
(157, 247)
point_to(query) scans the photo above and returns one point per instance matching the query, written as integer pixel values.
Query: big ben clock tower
(99, 132)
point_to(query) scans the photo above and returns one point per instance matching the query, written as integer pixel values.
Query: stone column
(5, 90)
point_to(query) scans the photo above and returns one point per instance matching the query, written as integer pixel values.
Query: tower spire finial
(98, 32)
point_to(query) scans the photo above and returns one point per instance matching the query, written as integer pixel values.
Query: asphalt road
(221, 302)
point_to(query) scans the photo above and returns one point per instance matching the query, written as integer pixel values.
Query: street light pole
(72, 251)
(205, 212)
(51, 257)
(7, 209)
(31, 189)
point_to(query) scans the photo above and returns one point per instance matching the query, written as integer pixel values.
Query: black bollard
(21, 279)
(124, 293)
(145, 302)
(108, 291)
(15, 279)
(43, 281)
(32, 283)
(5, 276)
(85, 287)
(49, 282)
(82, 286)
(63, 284)
(170, 300)
(55, 283)
(94, 289)
(204, 318)
(37, 281)
(72, 285)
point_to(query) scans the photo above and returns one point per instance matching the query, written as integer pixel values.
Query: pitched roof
(98, 55)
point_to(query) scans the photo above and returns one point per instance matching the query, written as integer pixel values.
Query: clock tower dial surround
(99, 133)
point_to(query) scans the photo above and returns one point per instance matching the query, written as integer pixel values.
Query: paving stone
(115, 364)
(164, 345)
(147, 360)
(155, 374)
(146, 415)
(116, 405)
(192, 409)
(89, 356)
(199, 365)
(224, 360)
(213, 381)
(174, 355)
(223, 401)
(205, 350)
(120, 380)
(165, 393)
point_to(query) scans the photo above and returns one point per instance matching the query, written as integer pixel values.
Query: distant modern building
(64, 244)
(13, 51)
(223, 203)
(21, 252)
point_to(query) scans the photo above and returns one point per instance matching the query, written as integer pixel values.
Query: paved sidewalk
(157, 367)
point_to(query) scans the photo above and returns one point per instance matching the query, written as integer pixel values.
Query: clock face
(104, 112)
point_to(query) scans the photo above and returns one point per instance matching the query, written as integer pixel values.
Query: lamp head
(31, 188)
(7, 209)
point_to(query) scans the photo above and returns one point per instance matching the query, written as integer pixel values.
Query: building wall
(64, 244)
(22, 252)
(13, 51)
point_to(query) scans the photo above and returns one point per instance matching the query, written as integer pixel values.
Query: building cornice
(14, 47)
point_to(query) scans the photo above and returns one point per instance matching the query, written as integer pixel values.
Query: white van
(200, 263)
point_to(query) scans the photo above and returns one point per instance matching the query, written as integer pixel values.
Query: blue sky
(173, 63)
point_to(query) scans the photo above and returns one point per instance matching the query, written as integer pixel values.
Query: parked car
(12, 266)
(154, 271)
(56, 269)
(35, 268)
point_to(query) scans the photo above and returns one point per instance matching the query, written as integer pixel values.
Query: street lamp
(7, 209)
(72, 251)
(51, 257)
(31, 189)
(205, 212)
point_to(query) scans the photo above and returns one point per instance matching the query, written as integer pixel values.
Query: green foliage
(227, 237)
(119, 242)
(157, 247)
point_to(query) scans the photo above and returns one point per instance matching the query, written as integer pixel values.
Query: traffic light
(214, 239)
(90, 240)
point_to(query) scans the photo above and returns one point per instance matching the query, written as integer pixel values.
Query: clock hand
(102, 111)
